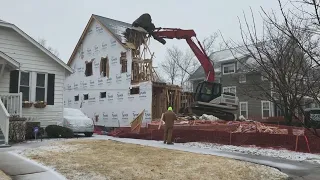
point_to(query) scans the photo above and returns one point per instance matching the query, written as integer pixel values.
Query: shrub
(17, 127)
(55, 131)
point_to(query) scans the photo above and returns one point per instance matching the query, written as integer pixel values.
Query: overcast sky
(61, 22)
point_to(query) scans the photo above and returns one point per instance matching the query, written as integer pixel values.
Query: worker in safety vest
(168, 117)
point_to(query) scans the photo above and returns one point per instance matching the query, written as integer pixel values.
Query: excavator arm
(172, 33)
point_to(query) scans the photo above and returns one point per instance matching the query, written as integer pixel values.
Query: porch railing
(13, 103)
(4, 122)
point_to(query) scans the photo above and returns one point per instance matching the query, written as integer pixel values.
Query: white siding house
(29, 72)
(101, 85)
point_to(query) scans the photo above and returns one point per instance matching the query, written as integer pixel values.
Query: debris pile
(254, 127)
(208, 117)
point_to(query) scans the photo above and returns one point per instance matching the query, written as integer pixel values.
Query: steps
(1, 138)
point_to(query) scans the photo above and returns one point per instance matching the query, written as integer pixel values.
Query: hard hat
(170, 108)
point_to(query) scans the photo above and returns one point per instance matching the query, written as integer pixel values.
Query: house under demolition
(114, 80)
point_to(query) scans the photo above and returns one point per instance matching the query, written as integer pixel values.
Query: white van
(76, 120)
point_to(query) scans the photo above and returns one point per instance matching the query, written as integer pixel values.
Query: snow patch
(49, 148)
(279, 153)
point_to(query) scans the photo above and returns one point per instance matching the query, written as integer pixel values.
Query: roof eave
(10, 60)
(47, 52)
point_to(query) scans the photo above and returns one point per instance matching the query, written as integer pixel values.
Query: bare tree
(300, 21)
(43, 42)
(170, 68)
(279, 59)
(185, 62)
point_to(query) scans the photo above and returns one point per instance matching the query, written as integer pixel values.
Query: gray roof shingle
(116, 27)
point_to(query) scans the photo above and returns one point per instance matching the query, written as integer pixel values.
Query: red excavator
(208, 98)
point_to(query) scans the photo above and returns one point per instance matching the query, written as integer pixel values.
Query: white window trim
(225, 65)
(262, 109)
(245, 78)
(227, 87)
(30, 83)
(45, 85)
(263, 78)
(247, 112)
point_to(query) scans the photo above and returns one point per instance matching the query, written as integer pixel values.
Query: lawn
(107, 159)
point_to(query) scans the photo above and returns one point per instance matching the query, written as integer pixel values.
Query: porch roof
(10, 60)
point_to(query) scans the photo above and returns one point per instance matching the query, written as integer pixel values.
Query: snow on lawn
(278, 153)
(95, 159)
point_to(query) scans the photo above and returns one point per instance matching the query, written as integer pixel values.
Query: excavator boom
(208, 96)
(174, 33)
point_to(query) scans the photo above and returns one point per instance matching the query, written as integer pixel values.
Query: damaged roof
(116, 27)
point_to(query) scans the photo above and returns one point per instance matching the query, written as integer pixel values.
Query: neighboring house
(235, 79)
(109, 85)
(28, 72)
(226, 66)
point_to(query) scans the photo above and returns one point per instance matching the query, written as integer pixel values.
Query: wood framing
(164, 95)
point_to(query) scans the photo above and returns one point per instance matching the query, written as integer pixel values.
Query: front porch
(10, 106)
(10, 103)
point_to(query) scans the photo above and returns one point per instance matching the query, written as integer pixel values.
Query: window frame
(45, 85)
(76, 96)
(229, 87)
(103, 95)
(247, 112)
(229, 65)
(245, 78)
(269, 105)
(103, 65)
(124, 62)
(30, 83)
(86, 71)
(263, 78)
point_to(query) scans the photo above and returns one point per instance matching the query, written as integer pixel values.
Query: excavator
(208, 97)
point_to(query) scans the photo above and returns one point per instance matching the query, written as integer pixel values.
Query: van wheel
(88, 134)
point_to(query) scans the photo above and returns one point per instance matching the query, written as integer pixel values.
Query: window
(228, 68)
(263, 77)
(41, 87)
(85, 96)
(104, 67)
(76, 98)
(25, 85)
(266, 109)
(244, 109)
(134, 90)
(123, 62)
(242, 78)
(88, 71)
(103, 94)
(231, 89)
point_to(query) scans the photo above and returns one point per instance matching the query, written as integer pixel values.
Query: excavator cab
(207, 91)
(209, 99)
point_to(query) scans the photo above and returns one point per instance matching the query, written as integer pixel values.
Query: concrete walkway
(20, 168)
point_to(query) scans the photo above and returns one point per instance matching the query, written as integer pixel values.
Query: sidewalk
(20, 168)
